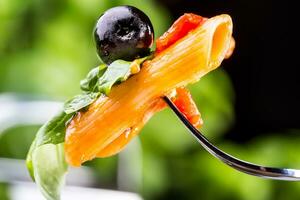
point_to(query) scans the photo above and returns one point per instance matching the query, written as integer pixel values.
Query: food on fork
(121, 95)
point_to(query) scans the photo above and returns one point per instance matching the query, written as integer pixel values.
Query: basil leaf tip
(50, 168)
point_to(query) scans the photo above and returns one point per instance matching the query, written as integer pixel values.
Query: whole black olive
(123, 32)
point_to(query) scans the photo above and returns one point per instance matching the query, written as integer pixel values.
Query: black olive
(123, 32)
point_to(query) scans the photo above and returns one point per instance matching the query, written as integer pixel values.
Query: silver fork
(243, 166)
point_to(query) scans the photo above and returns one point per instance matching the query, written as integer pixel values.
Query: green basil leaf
(29, 160)
(90, 82)
(45, 160)
(80, 101)
(117, 71)
(50, 167)
(53, 132)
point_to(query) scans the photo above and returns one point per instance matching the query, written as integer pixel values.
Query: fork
(243, 166)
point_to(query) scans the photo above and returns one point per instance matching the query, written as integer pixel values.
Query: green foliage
(4, 191)
(46, 47)
(15, 142)
(48, 41)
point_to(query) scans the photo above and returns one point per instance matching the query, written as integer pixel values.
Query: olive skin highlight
(123, 32)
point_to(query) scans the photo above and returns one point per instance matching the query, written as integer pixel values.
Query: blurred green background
(46, 48)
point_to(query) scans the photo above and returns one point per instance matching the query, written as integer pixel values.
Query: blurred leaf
(4, 191)
(171, 138)
(155, 175)
(105, 170)
(15, 142)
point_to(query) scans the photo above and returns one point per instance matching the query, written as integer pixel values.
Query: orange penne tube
(110, 122)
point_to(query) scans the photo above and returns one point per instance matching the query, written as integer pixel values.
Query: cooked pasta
(112, 121)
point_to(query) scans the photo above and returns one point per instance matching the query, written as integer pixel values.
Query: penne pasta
(111, 122)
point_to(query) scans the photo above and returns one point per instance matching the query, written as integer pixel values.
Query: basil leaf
(89, 83)
(53, 132)
(29, 160)
(45, 160)
(80, 101)
(117, 71)
(50, 168)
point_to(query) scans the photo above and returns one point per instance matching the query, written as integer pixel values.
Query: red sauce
(181, 27)
(185, 103)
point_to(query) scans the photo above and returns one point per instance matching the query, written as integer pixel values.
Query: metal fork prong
(243, 166)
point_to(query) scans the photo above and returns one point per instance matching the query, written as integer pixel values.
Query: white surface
(29, 191)
(15, 170)
(16, 112)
